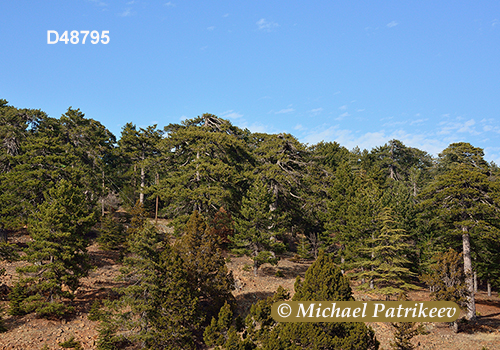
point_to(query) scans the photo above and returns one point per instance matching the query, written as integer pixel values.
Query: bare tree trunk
(489, 288)
(103, 188)
(469, 278)
(143, 180)
(156, 210)
(372, 268)
(255, 267)
(475, 281)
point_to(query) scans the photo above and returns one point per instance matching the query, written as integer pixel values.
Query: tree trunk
(103, 190)
(489, 288)
(143, 180)
(372, 267)
(469, 278)
(255, 267)
(156, 210)
(342, 262)
(475, 281)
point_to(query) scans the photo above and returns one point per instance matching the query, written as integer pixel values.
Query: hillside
(28, 332)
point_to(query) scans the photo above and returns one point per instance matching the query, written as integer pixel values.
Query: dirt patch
(28, 332)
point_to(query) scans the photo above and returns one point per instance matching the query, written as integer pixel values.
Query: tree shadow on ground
(286, 271)
(245, 301)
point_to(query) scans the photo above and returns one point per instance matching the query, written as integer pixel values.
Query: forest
(387, 220)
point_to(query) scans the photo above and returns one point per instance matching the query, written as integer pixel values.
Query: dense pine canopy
(379, 215)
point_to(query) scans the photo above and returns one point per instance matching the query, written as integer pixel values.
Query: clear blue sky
(356, 72)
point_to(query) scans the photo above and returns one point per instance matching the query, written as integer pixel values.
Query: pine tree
(57, 252)
(112, 235)
(137, 148)
(206, 266)
(158, 306)
(446, 278)
(462, 201)
(205, 163)
(323, 281)
(387, 267)
(257, 228)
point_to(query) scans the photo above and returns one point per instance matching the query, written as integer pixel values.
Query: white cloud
(99, 3)
(170, 4)
(343, 108)
(299, 127)
(418, 121)
(231, 115)
(126, 13)
(360, 110)
(263, 24)
(342, 116)
(285, 110)
(316, 111)
(449, 127)
(225, 15)
(211, 28)
(392, 24)
(369, 140)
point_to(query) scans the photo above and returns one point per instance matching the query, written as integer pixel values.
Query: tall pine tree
(57, 253)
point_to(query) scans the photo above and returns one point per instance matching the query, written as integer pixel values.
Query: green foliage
(404, 332)
(112, 235)
(95, 312)
(304, 248)
(158, 306)
(386, 269)
(206, 266)
(72, 148)
(205, 162)
(71, 343)
(446, 278)
(323, 281)
(138, 150)
(463, 201)
(8, 252)
(57, 252)
(258, 227)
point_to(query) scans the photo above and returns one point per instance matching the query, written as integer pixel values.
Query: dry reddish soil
(28, 333)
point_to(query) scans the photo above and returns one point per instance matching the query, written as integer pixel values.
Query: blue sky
(356, 72)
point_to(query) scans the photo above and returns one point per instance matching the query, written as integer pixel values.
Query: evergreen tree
(446, 278)
(112, 235)
(57, 252)
(257, 228)
(207, 271)
(204, 165)
(339, 224)
(158, 306)
(323, 281)
(462, 201)
(281, 165)
(387, 266)
(137, 148)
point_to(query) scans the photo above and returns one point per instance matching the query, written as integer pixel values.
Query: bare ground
(27, 332)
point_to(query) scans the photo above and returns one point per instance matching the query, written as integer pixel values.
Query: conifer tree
(158, 306)
(112, 234)
(387, 266)
(137, 147)
(463, 201)
(323, 281)
(207, 271)
(205, 163)
(57, 252)
(258, 227)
